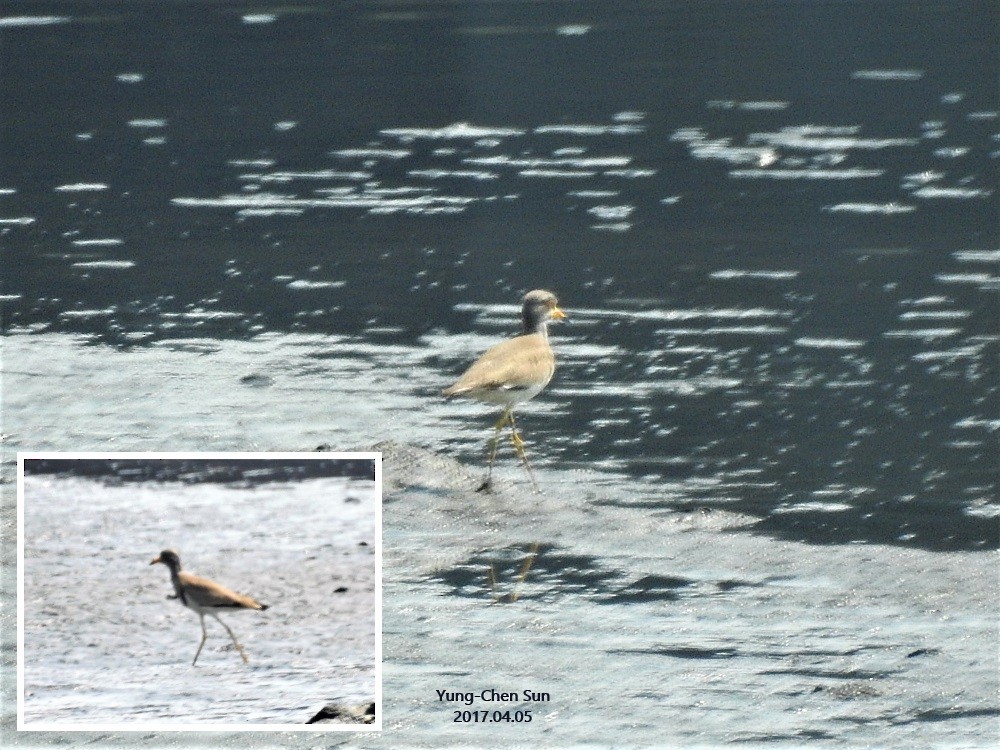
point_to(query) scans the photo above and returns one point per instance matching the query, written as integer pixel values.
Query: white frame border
(188, 728)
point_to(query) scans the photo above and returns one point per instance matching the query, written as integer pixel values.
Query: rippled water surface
(773, 229)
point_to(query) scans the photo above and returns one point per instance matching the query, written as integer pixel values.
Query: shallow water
(768, 453)
(680, 629)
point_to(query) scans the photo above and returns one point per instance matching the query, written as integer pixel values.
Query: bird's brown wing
(516, 363)
(208, 593)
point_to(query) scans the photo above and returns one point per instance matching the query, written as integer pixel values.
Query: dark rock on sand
(343, 713)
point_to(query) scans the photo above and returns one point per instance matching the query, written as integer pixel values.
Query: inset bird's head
(168, 557)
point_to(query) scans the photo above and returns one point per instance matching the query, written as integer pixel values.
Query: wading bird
(205, 597)
(514, 371)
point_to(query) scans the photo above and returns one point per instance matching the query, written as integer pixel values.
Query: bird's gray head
(170, 558)
(537, 308)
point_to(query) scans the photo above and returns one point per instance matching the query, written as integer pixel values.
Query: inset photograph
(199, 591)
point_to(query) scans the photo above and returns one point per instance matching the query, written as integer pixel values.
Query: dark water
(773, 226)
(197, 469)
(778, 248)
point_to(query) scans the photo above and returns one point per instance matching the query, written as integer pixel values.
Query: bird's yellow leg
(506, 418)
(515, 436)
(204, 637)
(495, 442)
(518, 442)
(232, 635)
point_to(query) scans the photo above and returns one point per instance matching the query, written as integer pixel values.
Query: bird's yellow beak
(557, 313)
(157, 560)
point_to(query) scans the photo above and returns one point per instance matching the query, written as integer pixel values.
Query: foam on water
(81, 187)
(852, 173)
(735, 273)
(808, 139)
(460, 130)
(13, 22)
(955, 193)
(105, 242)
(819, 343)
(259, 18)
(887, 74)
(978, 256)
(872, 208)
(589, 130)
(147, 122)
(314, 284)
(105, 264)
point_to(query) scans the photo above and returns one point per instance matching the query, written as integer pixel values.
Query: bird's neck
(175, 578)
(530, 326)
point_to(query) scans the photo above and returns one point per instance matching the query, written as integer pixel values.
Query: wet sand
(104, 645)
(645, 629)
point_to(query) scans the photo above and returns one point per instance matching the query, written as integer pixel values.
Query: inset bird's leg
(204, 637)
(235, 642)
(515, 437)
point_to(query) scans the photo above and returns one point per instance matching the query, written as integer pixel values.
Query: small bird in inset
(205, 597)
(513, 372)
